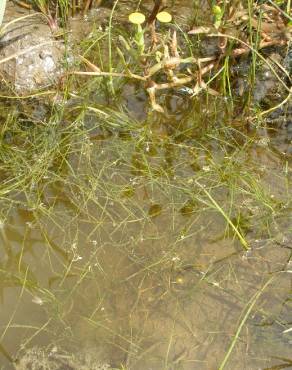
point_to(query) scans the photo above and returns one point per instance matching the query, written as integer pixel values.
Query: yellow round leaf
(164, 17)
(137, 18)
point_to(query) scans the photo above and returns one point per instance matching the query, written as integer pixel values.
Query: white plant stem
(2, 11)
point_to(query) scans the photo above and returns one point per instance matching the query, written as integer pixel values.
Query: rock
(31, 58)
(37, 57)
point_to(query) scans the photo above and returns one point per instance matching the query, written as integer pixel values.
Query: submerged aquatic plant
(77, 178)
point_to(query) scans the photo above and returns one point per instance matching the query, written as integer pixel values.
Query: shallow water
(140, 266)
(132, 249)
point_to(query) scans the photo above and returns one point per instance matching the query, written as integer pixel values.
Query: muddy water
(135, 266)
(129, 258)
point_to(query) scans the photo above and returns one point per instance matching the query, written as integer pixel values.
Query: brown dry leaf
(90, 65)
(208, 89)
(267, 27)
(200, 30)
(151, 92)
(238, 15)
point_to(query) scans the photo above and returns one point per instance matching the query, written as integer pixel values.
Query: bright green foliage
(218, 15)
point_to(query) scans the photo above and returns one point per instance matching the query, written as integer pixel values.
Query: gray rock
(30, 57)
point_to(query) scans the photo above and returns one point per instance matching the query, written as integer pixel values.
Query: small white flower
(264, 141)
(37, 300)
(77, 258)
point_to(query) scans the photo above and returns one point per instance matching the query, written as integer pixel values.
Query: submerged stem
(110, 46)
(249, 308)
